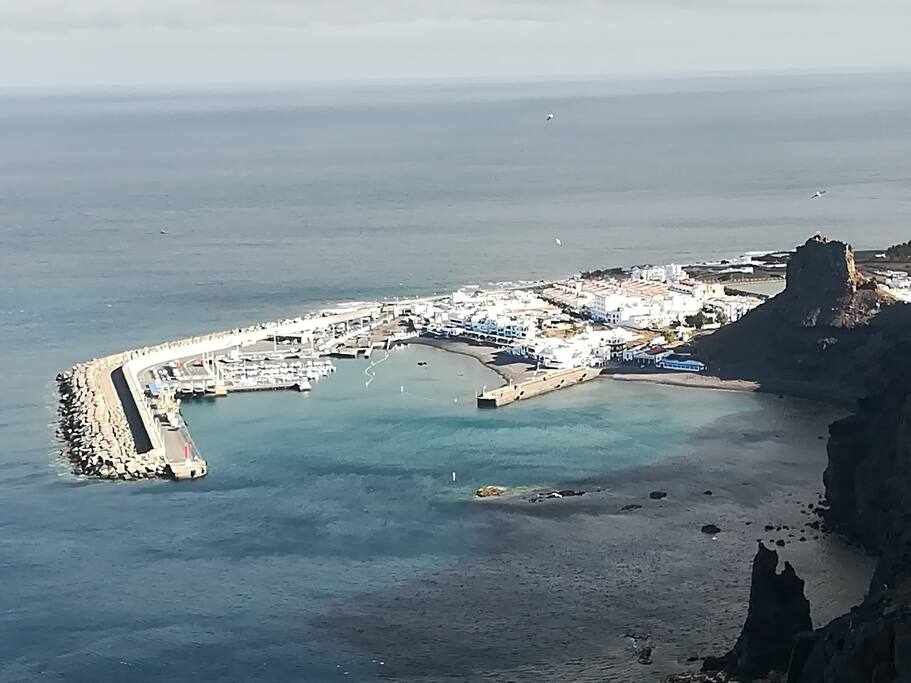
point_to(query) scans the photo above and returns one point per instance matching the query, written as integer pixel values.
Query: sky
(81, 42)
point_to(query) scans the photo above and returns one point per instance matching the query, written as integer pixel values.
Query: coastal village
(121, 413)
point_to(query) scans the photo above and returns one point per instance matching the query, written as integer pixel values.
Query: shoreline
(792, 388)
(509, 373)
(519, 370)
(688, 380)
(580, 562)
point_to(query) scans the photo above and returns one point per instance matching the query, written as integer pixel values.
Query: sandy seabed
(569, 589)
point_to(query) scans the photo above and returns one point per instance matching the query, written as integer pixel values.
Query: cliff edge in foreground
(833, 329)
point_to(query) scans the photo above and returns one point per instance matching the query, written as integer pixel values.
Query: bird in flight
(558, 241)
(550, 116)
(818, 194)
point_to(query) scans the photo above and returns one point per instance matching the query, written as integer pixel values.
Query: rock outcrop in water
(824, 336)
(832, 329)
(778, 613)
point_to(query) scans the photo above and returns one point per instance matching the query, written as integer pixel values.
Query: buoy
(453, 477)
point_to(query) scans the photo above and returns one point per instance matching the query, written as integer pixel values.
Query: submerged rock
(645, 655)
(490, 490)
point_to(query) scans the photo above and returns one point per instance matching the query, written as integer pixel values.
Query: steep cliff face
(824, 288)
(871, 643)
(825, 335)
(868, 485)
(868, 478)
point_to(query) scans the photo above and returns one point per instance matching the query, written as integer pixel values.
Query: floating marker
(453, 477)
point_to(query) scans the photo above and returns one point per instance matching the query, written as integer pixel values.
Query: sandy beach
(794, 388)
(684, 379)
(509, 368)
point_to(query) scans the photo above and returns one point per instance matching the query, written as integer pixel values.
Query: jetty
(120, 416)
(536, 386)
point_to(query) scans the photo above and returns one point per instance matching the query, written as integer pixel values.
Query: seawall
(106, 425)
(536, 386)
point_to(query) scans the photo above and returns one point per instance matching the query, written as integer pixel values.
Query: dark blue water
(329, 534)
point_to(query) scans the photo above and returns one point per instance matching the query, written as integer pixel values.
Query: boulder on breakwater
(97, 438)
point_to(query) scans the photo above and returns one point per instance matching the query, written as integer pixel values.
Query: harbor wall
(542, 384)
(106, 426)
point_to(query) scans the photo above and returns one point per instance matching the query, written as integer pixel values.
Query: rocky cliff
(868, 485)
(779, 612)
(824, 289)
(830, 327)
(824, 336)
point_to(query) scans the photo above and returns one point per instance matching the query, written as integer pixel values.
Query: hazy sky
(73, 42)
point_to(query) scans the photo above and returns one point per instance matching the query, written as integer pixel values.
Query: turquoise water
(329, 533)
(432, 428)
(311, 500)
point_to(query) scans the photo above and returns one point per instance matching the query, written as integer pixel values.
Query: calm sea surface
(329, 540)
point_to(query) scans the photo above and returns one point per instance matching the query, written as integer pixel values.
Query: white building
(588, 349)
(606, 306)
(667, 273)
(732, 308)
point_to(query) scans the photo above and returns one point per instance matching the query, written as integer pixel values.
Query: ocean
(328, 541)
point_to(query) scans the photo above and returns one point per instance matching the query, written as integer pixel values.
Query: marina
(121, 414)
(129, 425)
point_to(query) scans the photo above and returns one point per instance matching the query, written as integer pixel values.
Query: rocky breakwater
(97, 438)
(824, 336)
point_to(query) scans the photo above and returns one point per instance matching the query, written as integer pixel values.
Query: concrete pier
(536, 386)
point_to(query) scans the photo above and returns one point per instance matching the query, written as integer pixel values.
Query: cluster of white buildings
(550, 329)
(897, 283)
(589, 348)
(524, 324)
(669, 273)
(502, 317)
(661, 297)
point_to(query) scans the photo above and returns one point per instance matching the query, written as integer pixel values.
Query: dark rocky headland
(832, 334)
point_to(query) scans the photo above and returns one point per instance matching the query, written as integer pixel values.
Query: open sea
(329, 541)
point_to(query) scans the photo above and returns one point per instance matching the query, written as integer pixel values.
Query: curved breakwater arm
(107, 424)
